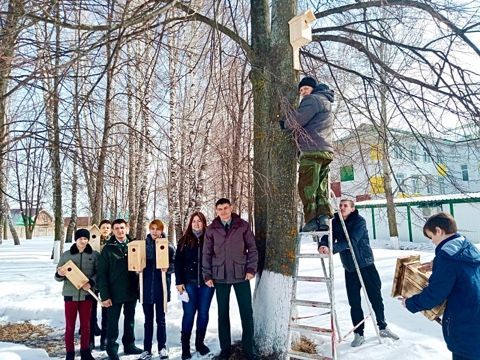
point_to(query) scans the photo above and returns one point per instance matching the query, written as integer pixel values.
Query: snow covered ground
(29, 292)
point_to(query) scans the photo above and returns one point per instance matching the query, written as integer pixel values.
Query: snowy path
(29, 292)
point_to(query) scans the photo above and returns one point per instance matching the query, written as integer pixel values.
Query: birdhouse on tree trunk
(74, 274)
(162, 253)
(300, 34)
(137, 258)
(95, 237)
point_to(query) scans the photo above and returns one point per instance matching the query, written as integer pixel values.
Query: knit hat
(82, 233)
(307, 81)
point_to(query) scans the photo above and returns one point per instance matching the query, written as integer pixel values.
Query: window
(397, 152)
(347, 173)
(400, 179)
(413, 153)
(465, 172)
(441, 185)
(415, 185)
(426, 157)
(428, 184)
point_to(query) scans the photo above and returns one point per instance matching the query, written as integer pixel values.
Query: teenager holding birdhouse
(78, 301)
(118, 289)
(105, 232)
(456, 279)
(153, 295)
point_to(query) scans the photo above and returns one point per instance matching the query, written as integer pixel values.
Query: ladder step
(310, 329)
(309, 303)
(306, 356)
(312, 256)
(315, 233)
(313, 278)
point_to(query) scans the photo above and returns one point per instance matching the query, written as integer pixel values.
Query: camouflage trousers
(313, 183)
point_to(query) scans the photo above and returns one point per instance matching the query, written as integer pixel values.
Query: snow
(29, 292)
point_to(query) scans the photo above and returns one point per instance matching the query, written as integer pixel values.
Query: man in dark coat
(230, 259)
(358, 233)
(455, 278)
(118, 288)
(312, 126)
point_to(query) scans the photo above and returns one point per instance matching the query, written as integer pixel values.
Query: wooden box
(94, 237)
(74, 274)
(162, 253)
(137, 258)
(409, 280)
(300, 29)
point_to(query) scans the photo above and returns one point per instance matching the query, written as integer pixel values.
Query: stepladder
(313, 331)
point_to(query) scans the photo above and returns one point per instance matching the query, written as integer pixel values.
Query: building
(419, 164)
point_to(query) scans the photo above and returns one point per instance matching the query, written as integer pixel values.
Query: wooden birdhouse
(74, 274)
(137, 258)
(95, 238)
(409, 281)
(162, 253)
(300, 34)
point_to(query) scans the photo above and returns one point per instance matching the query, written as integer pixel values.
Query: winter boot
(70, 355)
(199, 345)
(323, 223)
(86, 355)
(387, 333)
(357, 340)
(186, 345)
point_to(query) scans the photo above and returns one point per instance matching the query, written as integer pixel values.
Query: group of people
(223, 255)
(208, 258)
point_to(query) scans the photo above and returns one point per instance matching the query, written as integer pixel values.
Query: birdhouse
(137, 258)
(300, 34)
(162, 253)
(74, 274)
(95, 237)
(409, 280)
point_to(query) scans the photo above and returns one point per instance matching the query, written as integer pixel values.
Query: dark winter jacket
(115, 282)
(86, 261)
(188, 263)
(456, 278)
(152, 277)
(358, 233)
(314, 115)
(227, 257)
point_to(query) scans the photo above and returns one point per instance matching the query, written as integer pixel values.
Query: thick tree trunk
(276, 189)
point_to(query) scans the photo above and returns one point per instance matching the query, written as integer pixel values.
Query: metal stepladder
(333, 331)
(295, 326)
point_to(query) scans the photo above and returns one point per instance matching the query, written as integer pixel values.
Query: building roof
(82, 221)
(427, 201)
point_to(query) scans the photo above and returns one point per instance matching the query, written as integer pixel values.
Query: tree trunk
(72, 225)
(8, 38)
(275, 190)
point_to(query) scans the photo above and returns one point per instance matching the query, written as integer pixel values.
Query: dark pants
(313, 183)
(84, 309)
(244, 300)
(200, 298)
(113, 316)
(103, 336)
(93, 320)
(373, 285)
(148, 326)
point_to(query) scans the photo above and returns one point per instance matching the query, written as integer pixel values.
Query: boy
(455, 278)
(153, 293)
(105, 232)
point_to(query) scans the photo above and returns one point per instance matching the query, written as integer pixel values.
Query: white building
(419, 164)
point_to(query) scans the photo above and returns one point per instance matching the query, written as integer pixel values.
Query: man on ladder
(312, 126)
(356, 228)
